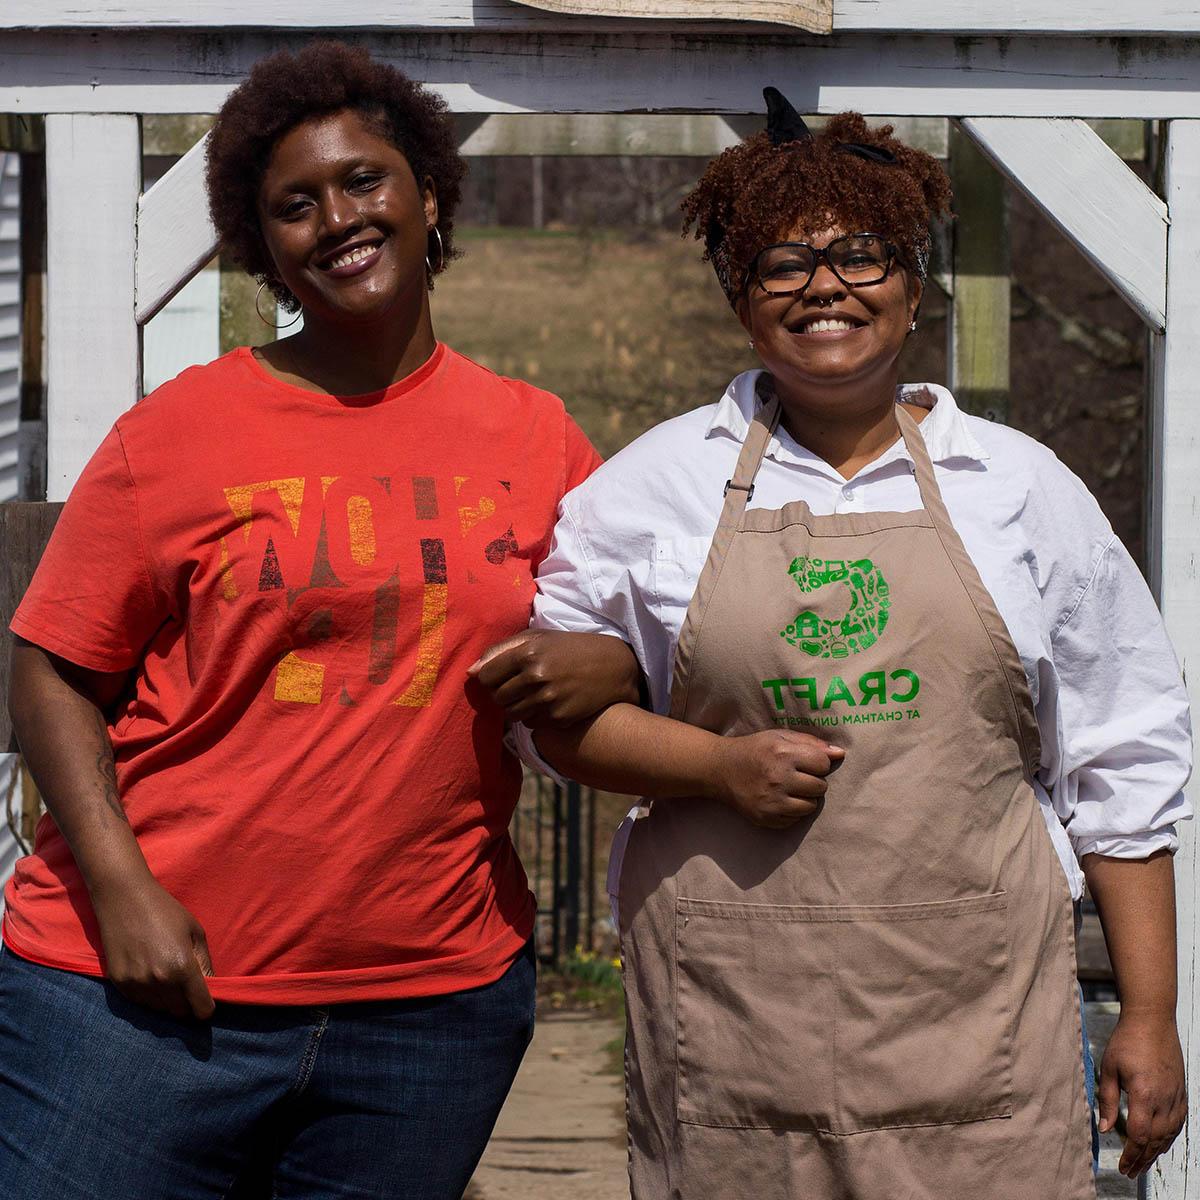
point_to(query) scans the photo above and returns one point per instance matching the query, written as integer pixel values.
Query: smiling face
(344, 219)
(831, 338)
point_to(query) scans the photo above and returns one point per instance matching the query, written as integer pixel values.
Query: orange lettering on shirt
(281, 522)
(362, 530)
(486, 523)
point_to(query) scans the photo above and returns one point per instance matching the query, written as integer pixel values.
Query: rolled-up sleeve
(567, 599)
(1126, 739)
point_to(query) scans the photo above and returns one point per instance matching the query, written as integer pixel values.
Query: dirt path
(562, 1131)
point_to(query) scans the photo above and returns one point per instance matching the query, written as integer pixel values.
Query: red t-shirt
(300, 582)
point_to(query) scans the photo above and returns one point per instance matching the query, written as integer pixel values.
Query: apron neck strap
(1024, 718)
(738, 491)
(914, 443)
(740, 488)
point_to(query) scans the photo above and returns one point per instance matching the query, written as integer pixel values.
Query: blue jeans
(101, 1099)
(1089, 1085)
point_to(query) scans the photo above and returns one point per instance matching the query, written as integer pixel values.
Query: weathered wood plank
(932, 16)
(93, 176)
(24, 531)
(175, 235)
(505, 16)
(693, 72)
(815, 16)
(1092, 196)
(1175, 573)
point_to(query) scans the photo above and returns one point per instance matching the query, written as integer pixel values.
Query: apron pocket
(755, 997)
(843, 1018)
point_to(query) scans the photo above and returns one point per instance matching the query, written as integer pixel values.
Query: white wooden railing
(1020, 76)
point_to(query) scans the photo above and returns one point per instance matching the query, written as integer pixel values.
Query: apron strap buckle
(740, 487)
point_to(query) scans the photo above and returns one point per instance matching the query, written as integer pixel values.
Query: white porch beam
(93, 176)
(1175, 574)
(1015, 17)
(893, 16)
(1065, 168)
(502, 16)
(688, 72)
(175, 235)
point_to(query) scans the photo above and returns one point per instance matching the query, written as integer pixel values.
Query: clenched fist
(777, 777)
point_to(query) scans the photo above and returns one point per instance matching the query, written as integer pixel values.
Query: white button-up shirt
(1107, 688)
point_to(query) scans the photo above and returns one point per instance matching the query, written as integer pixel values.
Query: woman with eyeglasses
(909, 691)
(273, 938)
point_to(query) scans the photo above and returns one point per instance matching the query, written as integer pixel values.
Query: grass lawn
(627, 330)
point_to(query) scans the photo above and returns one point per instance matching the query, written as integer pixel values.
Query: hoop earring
(441, 252)
(272, 324)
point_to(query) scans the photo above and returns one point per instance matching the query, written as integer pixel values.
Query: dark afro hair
(756, 193)
(284, 90)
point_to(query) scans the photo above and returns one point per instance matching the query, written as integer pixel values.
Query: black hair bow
(785, 124)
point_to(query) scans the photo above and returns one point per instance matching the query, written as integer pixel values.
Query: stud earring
(912, 328)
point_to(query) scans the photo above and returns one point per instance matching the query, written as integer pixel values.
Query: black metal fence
(554, 829)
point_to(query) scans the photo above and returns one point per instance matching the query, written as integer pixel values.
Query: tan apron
(878, 1003)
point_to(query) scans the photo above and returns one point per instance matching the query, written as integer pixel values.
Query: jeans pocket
(842, 1018)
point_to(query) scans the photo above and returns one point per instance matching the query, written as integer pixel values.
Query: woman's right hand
(775, 778)
(155, 951)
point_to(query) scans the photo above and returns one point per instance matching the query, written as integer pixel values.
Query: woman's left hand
(550, 677)
(1144, 1060)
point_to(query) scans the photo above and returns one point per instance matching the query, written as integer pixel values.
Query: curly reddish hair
(756, 193)
(284, 90)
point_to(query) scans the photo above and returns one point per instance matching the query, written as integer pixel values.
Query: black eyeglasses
(856, 259)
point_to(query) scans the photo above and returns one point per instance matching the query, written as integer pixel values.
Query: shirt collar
(945, 430)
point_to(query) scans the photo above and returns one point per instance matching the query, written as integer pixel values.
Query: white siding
(10, 346)
(10, 358)
(185, 333)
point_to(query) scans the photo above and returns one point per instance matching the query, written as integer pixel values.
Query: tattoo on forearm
(108, 768)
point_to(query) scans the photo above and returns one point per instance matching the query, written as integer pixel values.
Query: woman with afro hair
(909, 690)
(273, 938)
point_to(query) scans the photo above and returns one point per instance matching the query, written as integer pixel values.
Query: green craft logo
(866, 613)
(874, 697)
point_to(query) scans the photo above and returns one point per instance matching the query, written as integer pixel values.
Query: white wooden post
(1174, 544)
(93, 176)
